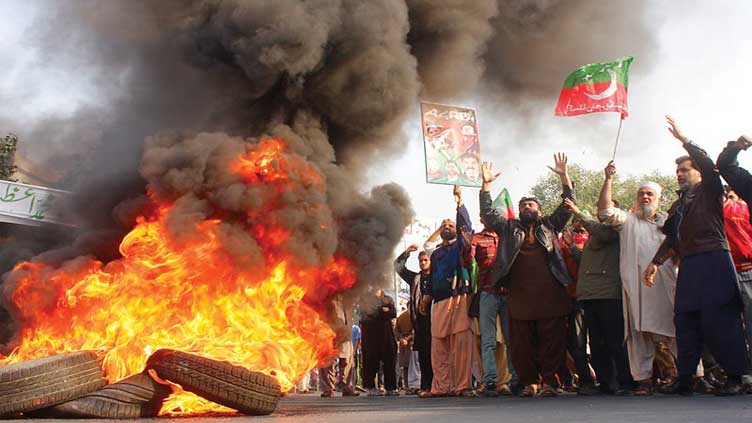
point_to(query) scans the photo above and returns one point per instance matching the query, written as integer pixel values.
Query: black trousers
(718, 327)
(374, 354)
(422, 344)
(577, 344)
(708, 311)
(604, 320)
(426, 371)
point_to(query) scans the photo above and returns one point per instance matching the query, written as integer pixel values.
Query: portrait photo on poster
(451, 143)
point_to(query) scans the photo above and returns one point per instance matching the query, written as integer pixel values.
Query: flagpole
(618, 133)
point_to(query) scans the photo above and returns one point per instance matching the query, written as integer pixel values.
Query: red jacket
(739, 233)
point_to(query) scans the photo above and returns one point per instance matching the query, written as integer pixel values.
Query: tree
(8, 157)
(587, 188)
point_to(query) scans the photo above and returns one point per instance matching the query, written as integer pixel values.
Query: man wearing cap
(445, 295)
(529, 263)
(708, 304)
(648, 312)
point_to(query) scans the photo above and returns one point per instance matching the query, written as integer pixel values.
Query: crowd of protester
(629, 302)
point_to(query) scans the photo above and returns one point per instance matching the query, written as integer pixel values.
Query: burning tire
(49, 381)
(233, 386)
(135, 396)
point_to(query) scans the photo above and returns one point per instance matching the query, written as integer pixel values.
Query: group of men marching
(632, 297)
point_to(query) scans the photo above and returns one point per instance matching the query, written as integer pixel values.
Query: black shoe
(623, 392)
(731, 388)
(587, 390)
(491, 391)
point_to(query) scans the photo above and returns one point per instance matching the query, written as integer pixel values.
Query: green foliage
(8, 146)
(587, 188)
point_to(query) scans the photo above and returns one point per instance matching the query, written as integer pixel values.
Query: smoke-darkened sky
(507, 59)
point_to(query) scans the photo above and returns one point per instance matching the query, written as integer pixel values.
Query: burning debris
(73, 386)
(212, 270)
(219, 186)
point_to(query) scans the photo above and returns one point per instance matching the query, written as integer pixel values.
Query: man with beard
(529, 263)
(648, 312)
(708, 305)
(447, 288)
(421, 323)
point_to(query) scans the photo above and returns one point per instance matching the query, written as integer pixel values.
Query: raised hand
(610, 170)
(571, 206)
(745, 141)
(675, 130)
(488, 173)
(412, 248)
(560, 164)
(457, 195)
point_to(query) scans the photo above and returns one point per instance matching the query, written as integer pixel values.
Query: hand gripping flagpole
(618, 133)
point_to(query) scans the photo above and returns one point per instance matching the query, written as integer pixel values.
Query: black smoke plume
(181, 84)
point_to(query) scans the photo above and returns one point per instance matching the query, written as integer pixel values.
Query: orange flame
(187, 296)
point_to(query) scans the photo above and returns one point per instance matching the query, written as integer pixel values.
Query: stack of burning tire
(73, 386)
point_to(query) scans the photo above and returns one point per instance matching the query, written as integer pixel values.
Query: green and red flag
(599, 87)
(503, 203)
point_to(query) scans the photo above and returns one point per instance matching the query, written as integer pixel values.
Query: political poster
(452, 148)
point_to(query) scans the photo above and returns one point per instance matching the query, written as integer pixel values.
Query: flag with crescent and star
(503, 203)
(598, 87)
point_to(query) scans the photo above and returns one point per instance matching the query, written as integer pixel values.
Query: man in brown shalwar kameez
(530, 264)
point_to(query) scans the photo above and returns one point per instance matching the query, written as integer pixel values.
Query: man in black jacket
(421, 322)
(530, 264)
(708, 307)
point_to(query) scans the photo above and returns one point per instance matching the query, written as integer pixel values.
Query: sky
(701, 76)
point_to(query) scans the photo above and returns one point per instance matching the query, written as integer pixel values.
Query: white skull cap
(652, 185)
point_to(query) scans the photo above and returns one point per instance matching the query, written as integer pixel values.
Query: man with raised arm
(740, 181)
(648, 312)
(421, 323)
(529, 263)
(446, 295)
(708, 305)
(600, 293)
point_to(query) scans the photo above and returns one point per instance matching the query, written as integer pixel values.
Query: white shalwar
(648, 311)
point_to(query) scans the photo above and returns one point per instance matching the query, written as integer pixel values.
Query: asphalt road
(569, 408)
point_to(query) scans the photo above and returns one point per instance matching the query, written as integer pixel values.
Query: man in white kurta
(648, 311)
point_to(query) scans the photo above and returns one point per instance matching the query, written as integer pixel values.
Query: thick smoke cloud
(449, 38)
(538, 42)
(183, 85)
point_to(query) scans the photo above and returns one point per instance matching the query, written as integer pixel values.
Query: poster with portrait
(450, 138)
